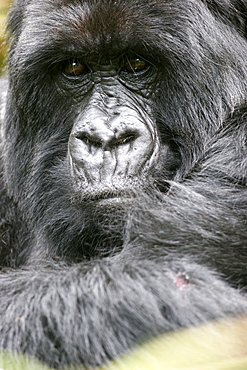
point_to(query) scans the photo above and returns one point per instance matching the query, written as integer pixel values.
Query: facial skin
(113, 143)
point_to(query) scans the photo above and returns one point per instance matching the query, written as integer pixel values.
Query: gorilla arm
(94, 311)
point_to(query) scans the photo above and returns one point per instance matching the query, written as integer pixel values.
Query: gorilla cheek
(111, 151)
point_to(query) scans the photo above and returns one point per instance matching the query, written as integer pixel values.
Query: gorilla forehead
(83, 23)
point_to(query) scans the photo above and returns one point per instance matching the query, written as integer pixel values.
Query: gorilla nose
(108, 140)
(110, 147)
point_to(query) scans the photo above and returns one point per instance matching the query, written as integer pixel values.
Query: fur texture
(82, 283)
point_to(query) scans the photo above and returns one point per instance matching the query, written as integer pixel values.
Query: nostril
(90, 140)
(125, 138)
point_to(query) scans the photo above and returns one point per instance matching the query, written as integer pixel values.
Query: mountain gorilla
(123, 200)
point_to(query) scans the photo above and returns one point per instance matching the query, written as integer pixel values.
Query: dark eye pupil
(135, 65)
(73, 68)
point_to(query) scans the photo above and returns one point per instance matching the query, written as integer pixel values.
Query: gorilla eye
(135, 65)
(74, 68)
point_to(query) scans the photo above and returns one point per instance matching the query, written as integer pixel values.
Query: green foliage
(18, 362)
(4, 6)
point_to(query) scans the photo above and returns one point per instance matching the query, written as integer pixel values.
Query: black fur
(82, 283)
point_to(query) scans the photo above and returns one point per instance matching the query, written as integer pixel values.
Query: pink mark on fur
(182, 280)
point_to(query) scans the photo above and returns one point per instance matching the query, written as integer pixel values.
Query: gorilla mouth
(119, 196)
(120, 200)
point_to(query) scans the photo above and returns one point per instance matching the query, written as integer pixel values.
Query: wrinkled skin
(123, 182)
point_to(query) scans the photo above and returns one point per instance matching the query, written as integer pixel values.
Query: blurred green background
(4, 6)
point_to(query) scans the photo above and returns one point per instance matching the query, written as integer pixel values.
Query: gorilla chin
(122, 174)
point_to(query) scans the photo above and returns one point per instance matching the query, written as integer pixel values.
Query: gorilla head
(123, 140)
